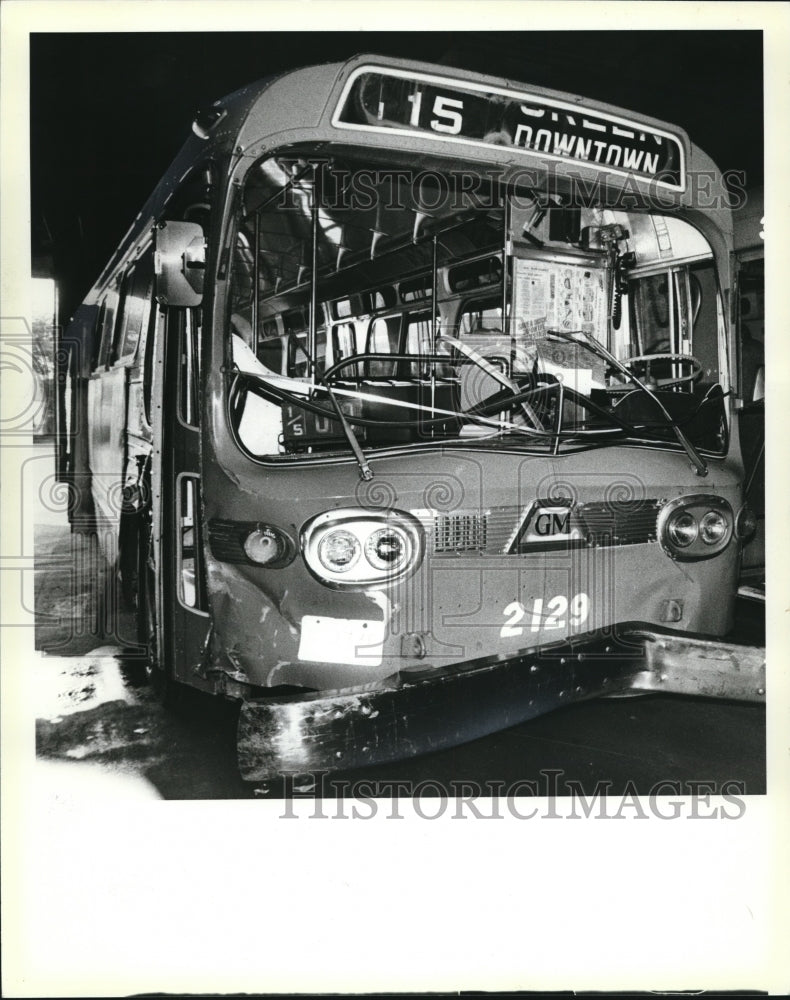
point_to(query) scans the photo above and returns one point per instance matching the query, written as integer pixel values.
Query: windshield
(374, 308)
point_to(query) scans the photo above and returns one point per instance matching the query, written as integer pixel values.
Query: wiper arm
(696, 459)
(365, 471)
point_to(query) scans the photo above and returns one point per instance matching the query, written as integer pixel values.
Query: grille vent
(459, 533)
(619, 523)
(603, 523)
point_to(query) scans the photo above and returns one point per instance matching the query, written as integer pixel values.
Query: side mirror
(179, 263)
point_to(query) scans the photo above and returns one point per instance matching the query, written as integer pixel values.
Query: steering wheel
(692, 363)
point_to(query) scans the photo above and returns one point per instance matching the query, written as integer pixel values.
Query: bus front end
(468, 447)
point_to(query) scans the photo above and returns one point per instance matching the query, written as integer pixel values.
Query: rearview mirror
(179, 263)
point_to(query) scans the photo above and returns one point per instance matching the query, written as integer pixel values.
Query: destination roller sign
(388, 100)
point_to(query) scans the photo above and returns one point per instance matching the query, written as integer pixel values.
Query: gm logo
(554, 521)
(547, 525)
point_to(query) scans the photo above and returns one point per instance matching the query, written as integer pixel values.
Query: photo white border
(106, 899)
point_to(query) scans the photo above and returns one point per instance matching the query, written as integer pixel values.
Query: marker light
(360, 548)
(264, 546)
(746, 524)
(697, 526)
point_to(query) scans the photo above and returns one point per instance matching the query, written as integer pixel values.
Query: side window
(383, 338)
(480, 317)
(344, 341)
(654, 304)
(191, 591)
(138, 291)
(298, 361)
(419, 335)
(297, 355)
(105, 330)
(344, 345)
(704, 324)
(270, 353)
(96, 338)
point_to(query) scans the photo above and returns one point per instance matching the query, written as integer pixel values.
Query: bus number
(446, 109)
(553, 616)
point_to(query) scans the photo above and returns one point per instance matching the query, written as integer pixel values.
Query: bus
(405, 412)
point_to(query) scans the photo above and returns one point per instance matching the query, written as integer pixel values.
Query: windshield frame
(555, 440)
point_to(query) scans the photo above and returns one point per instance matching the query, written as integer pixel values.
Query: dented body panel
(456, 601)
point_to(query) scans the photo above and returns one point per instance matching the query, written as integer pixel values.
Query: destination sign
(388, 100)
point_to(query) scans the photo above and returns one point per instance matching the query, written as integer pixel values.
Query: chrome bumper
(420, 710)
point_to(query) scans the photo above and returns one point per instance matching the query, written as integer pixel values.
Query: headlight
(695, 527)
(682, 529)
(359, 548)
(713, 527)
(388, 548)
(338, 551)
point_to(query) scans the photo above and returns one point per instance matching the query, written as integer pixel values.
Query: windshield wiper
(365, 471)
(696, 459)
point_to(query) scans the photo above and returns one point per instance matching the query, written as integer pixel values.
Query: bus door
(184, 625)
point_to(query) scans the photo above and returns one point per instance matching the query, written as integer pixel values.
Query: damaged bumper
(420, 710)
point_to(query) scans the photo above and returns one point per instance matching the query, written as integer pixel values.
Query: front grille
(498, 531)
(612, 523)
(459, 533)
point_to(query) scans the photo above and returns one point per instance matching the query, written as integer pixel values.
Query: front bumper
(416, 711)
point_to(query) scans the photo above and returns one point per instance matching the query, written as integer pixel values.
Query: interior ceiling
(110, 111)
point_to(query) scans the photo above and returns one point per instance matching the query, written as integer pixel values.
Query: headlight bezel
(697, 506)
(364, 525)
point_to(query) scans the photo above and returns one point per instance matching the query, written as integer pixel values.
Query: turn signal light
(264, 546)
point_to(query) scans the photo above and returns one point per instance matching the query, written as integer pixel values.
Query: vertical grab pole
(311, 349)
(434, 325)
(505, 244)
(255, 276)
(505, 247)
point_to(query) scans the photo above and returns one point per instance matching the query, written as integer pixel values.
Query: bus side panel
(73, 456)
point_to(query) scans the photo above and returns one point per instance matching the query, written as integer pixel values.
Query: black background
(110, 111)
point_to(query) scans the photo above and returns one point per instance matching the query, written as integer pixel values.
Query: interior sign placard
(388, 100)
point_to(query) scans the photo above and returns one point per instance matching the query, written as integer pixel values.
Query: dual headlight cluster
(356, 547)
(695, 527)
